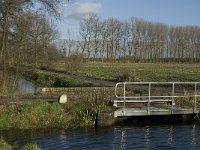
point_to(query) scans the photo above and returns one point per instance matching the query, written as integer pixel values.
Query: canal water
(158, 137)
(25, 87)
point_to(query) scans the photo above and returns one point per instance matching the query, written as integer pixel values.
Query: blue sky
(169, 12)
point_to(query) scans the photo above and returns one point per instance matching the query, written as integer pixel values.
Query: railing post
(172, 98)
(195, 98)
(148, 107)
(124, 97)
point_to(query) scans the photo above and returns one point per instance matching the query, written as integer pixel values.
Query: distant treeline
(136, 40)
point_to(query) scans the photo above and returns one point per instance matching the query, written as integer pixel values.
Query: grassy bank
(42, 115)
(45, 115)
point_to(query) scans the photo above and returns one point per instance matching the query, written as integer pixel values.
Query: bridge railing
(154, 92)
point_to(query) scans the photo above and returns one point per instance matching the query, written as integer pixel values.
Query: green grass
(45, 115)
(139, 71)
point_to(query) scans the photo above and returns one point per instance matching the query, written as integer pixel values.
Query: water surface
(24, 87)
(177, 136)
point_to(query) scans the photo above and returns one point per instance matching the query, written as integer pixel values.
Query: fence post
(195, 98)
(124, 98)
(172, 98)
(148, 107)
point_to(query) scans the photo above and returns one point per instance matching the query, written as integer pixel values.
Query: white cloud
(79, 10)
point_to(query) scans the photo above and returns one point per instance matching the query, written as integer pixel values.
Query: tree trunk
(4, 39)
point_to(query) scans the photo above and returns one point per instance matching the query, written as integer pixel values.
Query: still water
(160, 137)
(24, 86)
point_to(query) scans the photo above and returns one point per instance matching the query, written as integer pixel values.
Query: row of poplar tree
(136, 40)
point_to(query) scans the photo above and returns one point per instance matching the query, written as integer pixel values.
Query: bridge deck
(153, 111)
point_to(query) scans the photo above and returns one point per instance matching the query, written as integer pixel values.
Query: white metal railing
(172, 86)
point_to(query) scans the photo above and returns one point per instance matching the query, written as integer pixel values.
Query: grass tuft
(30, 147)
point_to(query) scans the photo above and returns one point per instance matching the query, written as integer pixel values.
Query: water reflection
(170, 136)
(193, 135)
(25, 86)
(123, 140)
(147, 137)
(116, 138)
(158, 137)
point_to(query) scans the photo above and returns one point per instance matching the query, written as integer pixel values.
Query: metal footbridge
(156, 98)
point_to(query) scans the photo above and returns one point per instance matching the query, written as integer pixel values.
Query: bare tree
(8, 11)
(139, 40)
(86, 27)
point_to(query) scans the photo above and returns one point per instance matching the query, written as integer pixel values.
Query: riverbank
(6, 146)
(45, 115)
